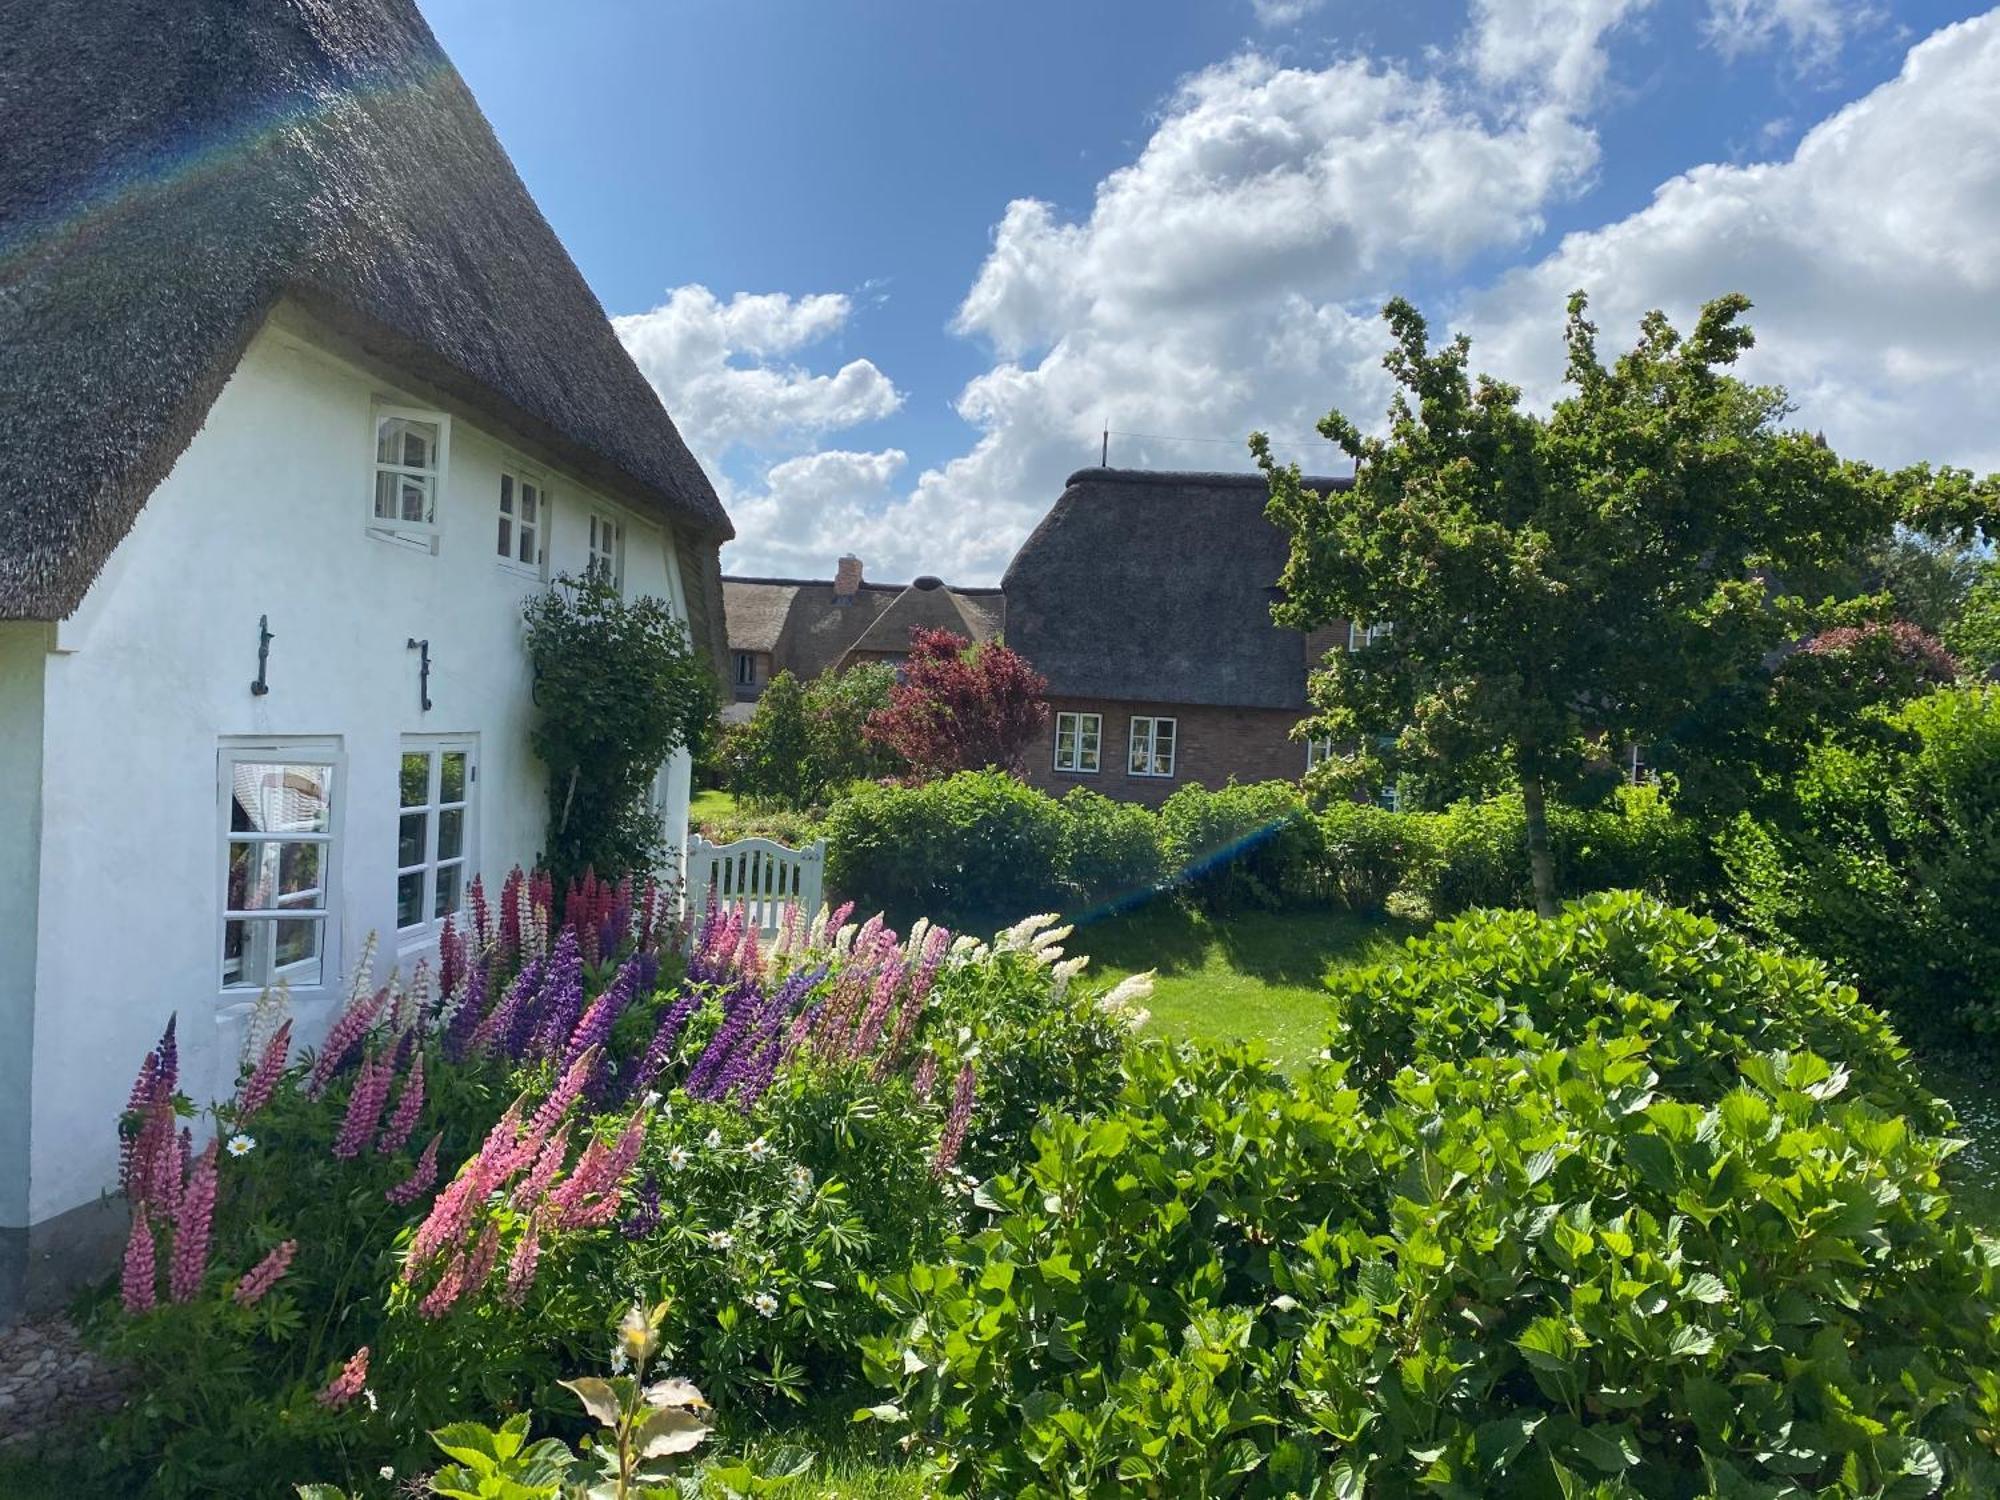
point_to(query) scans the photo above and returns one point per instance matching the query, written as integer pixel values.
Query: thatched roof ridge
(1156, 586)
(174, 168)
(807, 629)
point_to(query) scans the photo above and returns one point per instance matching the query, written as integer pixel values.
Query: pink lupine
(345, 1035)
(261, 1277)
(952, 1141)
(925, 1079)
(450, 1287)
(600, 1174)
(521, 1267)
(568, 1089)
(409, 1105)
(422, 1180)
(877, 1015)
(364, 1107)
(451, 1213)
(136, 1284)
(510, 913)
(485, 1253)
(189, 1261)
(263, 1080)
(481, 914)
(349, 1383)
(529, 1190)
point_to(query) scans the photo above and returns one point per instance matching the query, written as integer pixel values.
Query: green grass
(709, 805)
(1256, 975)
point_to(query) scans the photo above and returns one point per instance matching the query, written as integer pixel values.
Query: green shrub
(1890, 871)
(1615, 965)
(1109, 849)
(1250, 845)
(970, 848)
(1518, 1276)
(794, 829)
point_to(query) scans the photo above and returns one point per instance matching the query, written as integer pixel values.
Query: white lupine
(1046, 947)
(453, 1001)
(1067, 970)
(816, 933)
(913, 946)
(1022, 934)
(266, 1016)
(364, 971)
(1122, 1001)
(844, 940)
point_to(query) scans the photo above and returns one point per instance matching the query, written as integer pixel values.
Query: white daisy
(757, 1150)
(714, 1140)
(766, 1305)
(242, 1145)
(677, 1157)
(721, 1239)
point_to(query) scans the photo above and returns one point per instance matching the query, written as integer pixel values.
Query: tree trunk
(1541, 862)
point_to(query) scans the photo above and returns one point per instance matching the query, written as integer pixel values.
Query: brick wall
(1212, 745)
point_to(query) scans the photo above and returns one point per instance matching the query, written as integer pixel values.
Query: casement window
(607, 548)
(746, 669)
(1359, 636)
(278, 802)
(1152, 748)
(434, 833)
(1390, 797)
(1078, 741)
(1637, 771)
(410, 447)
(1318, 751)
(524, 522)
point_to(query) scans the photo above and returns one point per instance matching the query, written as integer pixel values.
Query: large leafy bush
(1249, 845)
(1890, 870)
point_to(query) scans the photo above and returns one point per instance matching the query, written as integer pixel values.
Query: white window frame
(1319, 751)
(1077, 733)
(1359, 636)
(422, 534)
(1390, 798)
(434, 747)
(309, 751)
(1152, 745)
(612, 558)
(507, 510)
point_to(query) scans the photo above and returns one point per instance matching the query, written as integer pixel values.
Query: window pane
(529, 496)
(529, 551)
(451, 777)
(256, 950)
(407, 441)
(298, 942)
(506, 494)
(402, 497)
(410, 839)
(506, 537)
(410, 899)
(451, 833)
(416, 778)
(447, 889)
(279, 798)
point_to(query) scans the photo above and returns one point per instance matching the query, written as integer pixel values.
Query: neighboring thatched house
(1145, 599)
(803, 626)
(285, 346)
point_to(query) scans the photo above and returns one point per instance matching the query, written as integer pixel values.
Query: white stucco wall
(23, 651)
(266, 513)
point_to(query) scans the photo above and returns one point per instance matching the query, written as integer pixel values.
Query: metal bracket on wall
(264, 638)
(423, 671)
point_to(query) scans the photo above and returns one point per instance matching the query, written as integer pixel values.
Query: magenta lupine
(263, 1080)
(521, 1266)
(952, 1141)
(344, 1036)
(261, 1277)
(364, 1107)
(420, 1181)
(482, 929)
(137, 1282)
(864, 940)
(409, 1105)
(451, 1213)
(451, 956)
(349, 1383)
(925, 1079)
(189, 1260)
(148, 1113)
(510, 913)
(529, 1191)
(599, 1176)
(837, 919)
(869, 1032)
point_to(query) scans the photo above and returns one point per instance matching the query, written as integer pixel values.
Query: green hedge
(981, 847)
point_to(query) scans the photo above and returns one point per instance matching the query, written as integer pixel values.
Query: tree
(1975, 635)
(1602, 574)
(961, 707)
(806, 741)
(770, 754)
(619, 687)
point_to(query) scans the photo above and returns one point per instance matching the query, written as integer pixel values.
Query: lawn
(1258, 975)
(710, 805)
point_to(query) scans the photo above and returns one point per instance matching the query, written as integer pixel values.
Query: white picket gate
(757, 874)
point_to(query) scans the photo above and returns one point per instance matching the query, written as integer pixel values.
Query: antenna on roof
(1104, 453)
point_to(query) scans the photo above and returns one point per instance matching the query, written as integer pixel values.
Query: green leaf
(1611, 1449)
(668, 1431)
(597, 1397)
(1705, 1287)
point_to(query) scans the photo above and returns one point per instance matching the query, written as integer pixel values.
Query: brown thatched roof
(806, 629)
(1157, 587)
(172, 168)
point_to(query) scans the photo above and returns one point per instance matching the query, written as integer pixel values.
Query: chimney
(847, 579)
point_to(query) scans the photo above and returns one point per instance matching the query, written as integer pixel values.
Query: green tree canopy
(1601, 573)
(805, 742)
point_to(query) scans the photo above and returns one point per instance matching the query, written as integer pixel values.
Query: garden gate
(756, 874)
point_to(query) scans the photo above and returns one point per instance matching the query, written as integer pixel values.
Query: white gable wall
(266, 513)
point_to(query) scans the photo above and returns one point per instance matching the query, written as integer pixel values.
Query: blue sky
(892, 266)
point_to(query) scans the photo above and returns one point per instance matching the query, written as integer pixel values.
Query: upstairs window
(1152, 748)
(434, 830)
(607, 549)
(524, 522)
(1078, 737)
(409, 472)
(277, 807)
(746, 669)
(1359, 636)
(1318, 751)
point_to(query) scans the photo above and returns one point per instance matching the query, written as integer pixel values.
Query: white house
(300, 401)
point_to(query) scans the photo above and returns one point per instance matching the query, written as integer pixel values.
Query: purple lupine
(189, 1261)
(645, 1215)
(451, 956)
(869, 1032)
(952, 1141)
(353, 1024)
(420, 1181)
(482, 929)
(471, 1011)
(263, 1080)
(653, 1061)
(364, 1107)
(924, 1082)
(409, 1105)
(499, 1031)
(737, 1009)
(559, 1004)
(646, 973)
(594, 1030)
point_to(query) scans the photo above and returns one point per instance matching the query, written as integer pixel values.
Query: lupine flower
(510, 913)
(521, 1266)
(1122, 1002)
(349, 1383)
(468, 1009)
(148, 1112)
(568, 1089)
(529, 1191)
(495, 1031)
(364, 1107)
(273, 1001)
(136, 1283)
(594, 1029)
(599, 1175)
(409, 1105)
(451, 957)
(654, 1060)
(560, 1003)
(925, 1080)
(481, 916)
(420, 1181)
(264, 1275)
(416, 1004)
(645, 1215)
(263, 1080)
(189, 1261)
(952, 1141)
(364, 970)
(450, 1287)
(345, 1035)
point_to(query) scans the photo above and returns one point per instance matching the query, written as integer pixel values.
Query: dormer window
(409, 472)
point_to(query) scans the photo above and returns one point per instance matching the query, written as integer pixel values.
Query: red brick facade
(1211, 746)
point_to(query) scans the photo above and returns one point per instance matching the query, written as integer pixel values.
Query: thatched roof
(1157, 587)
(172, 168)
(806, 629)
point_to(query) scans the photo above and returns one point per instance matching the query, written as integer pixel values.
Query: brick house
(804, 626)
(1145, 599)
